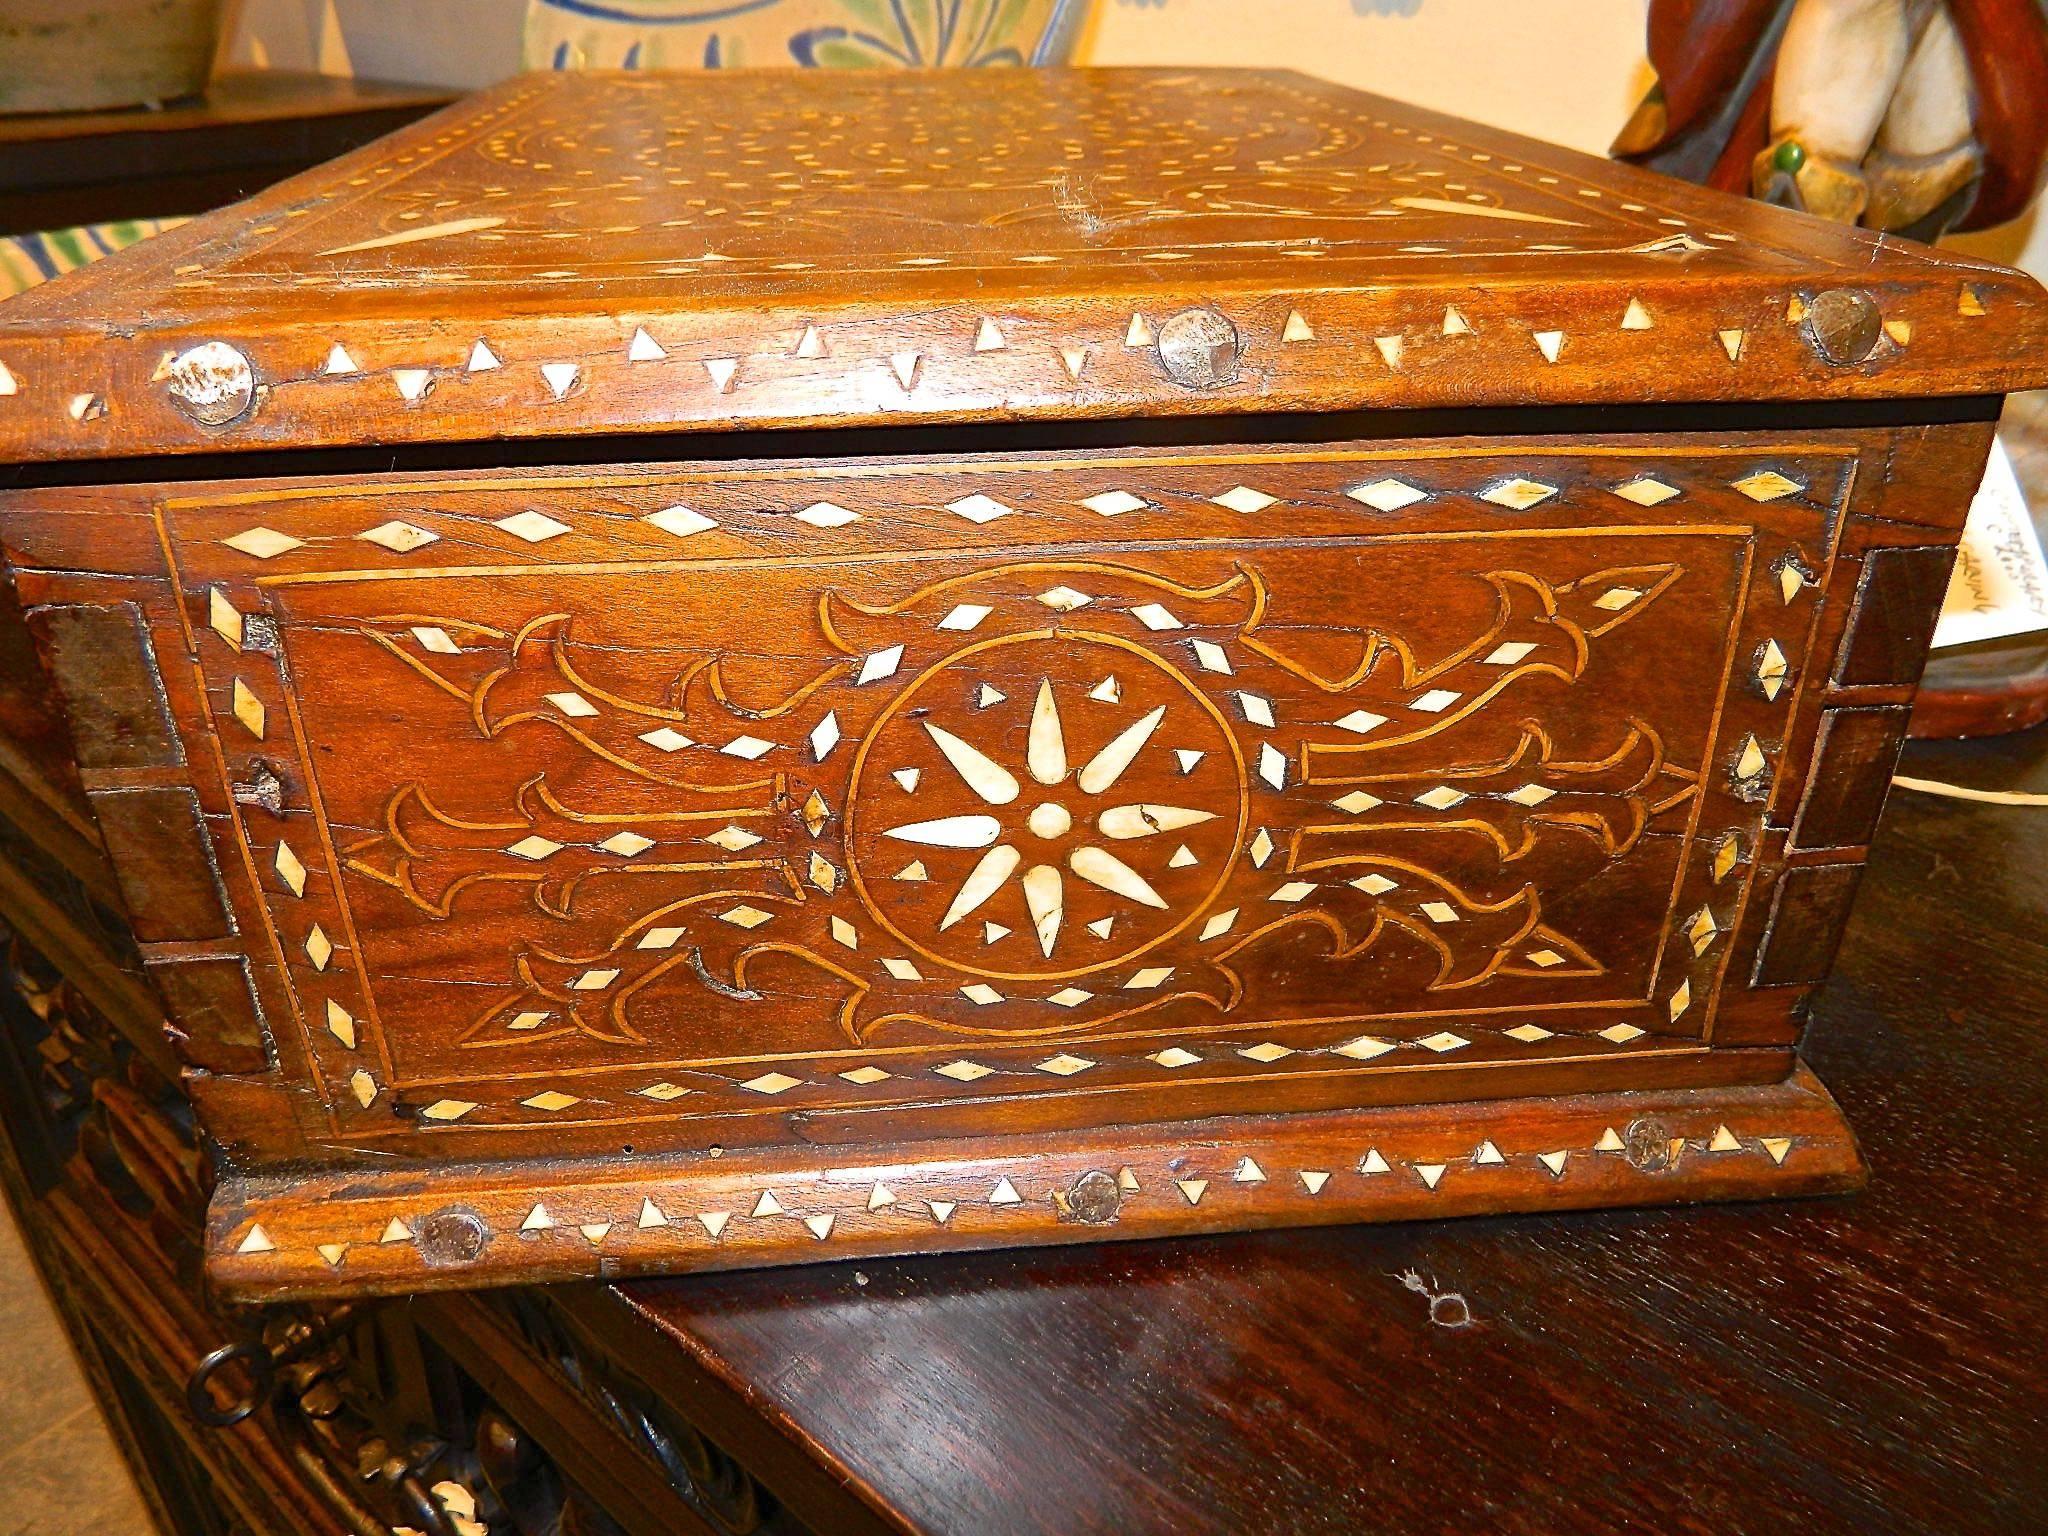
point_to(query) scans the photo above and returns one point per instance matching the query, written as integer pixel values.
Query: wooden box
(702, 672)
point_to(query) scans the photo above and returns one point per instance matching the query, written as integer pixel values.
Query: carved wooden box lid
(589, 254)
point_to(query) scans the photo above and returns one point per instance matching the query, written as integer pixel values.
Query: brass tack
(1647, 1145)
(452, 1237)
(1199, 348)
(1843, 325)
(1093, 1198)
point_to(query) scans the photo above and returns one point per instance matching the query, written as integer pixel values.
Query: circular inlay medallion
(1199, 349)
(212, 383)
(1844, 325)
(1044, 805)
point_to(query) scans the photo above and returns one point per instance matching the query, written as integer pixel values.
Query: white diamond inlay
(1767, 485)
(1364, 1048)
(1113, 503)
(533, 527)
(825, 735)
(880, 664)
(1518, 494)
(979, 509)
(1359, 721)
(263, 543)
(398, 537)
(1243, 498)
(680, 521)
(826, 514)
(1646, 491)
(1272, 765)
(1387, 495)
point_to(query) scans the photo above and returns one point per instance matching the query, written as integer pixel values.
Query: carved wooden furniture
(374, 1417)
(1182, 1386)
(1389, 727)
(1838, 1366)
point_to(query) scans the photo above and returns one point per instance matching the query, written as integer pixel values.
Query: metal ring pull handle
(262, 1379)
(264, 1361)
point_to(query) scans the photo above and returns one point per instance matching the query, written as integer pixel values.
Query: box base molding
(281, 1237)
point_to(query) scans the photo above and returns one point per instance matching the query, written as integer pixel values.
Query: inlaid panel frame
(252, 850)
(469, 1208)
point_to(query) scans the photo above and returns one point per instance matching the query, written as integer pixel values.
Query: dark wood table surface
(1871, 1364)
(251, 128)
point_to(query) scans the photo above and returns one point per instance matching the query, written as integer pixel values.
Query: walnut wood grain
(928, 844)
(566, 255)
(1843, 1366)
(350, 882)
(99, 1159)
(1839, 1366)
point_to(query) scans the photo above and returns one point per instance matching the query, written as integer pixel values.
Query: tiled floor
(60, 1474)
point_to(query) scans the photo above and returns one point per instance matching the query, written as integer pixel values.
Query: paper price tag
(2000, 583)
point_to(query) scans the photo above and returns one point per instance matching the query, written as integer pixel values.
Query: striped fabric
(26, 260)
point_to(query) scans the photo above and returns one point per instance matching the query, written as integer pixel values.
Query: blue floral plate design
(815, 34)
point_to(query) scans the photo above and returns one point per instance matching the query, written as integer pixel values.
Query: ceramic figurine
(1909, 116)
